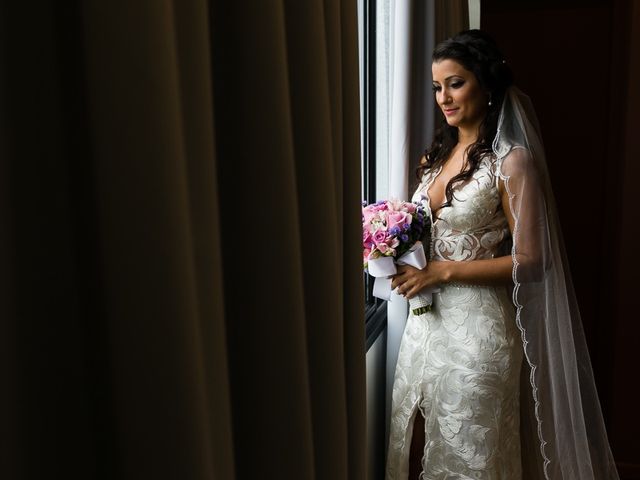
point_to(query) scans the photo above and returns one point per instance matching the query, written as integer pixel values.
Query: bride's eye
(436, 88)
(457, 84)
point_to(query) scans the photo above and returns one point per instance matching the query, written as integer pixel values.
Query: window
(375, 19)
(373, 28)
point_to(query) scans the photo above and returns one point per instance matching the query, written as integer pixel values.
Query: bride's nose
(443, 97)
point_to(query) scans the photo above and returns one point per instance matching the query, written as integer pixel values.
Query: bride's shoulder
(502, 166)
(489, 162)
(517, 158)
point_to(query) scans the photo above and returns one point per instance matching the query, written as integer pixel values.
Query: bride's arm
(525, 189)
(492, 271)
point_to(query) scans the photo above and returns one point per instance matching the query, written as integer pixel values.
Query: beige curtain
(418, 27)
(181, 203)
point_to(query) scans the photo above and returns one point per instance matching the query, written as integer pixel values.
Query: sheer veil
(562, 430)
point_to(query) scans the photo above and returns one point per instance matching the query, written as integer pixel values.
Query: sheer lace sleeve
(522, 182)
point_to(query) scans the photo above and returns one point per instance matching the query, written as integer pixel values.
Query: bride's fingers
(412, 292)
(400, 287)
(405, 287)
(404, 282)
(397, 279)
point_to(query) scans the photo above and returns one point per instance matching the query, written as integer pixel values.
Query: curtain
(452, 16)
(416, 28)
(181, 281)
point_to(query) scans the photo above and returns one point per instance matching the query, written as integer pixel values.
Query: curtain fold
(192, 34)
(452, 16)
(264, 294)
(185, 298)
(399, 99)
(148, 242)
(349, 195)
(416, 29)
(315, 141)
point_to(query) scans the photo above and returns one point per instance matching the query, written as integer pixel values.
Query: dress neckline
(432, 176)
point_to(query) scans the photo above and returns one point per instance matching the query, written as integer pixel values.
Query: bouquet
(391, 235)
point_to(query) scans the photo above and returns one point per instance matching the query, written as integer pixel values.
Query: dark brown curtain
(452, 16)
(181, 291)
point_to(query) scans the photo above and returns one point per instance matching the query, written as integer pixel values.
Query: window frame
(375, 314)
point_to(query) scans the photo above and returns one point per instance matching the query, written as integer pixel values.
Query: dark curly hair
(478, 53)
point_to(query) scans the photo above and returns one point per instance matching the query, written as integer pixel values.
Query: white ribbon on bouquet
(383, 268)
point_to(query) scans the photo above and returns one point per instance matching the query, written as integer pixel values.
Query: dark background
(580, 64)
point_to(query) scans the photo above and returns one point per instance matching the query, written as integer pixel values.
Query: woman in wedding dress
(494, 381)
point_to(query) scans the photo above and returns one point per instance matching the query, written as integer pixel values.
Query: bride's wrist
(447, 272)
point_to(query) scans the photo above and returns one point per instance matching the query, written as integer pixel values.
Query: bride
(494, 381)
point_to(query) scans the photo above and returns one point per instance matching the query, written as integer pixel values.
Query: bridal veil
(562, 430)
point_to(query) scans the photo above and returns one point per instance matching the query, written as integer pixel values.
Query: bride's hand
(409, 280)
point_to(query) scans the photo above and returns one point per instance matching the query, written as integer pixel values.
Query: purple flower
(404, 237)
(405, 226)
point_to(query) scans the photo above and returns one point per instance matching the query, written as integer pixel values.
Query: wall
(376, 446)
(625, 424)
(578, 62)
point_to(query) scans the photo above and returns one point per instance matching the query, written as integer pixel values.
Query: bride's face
(459, 95)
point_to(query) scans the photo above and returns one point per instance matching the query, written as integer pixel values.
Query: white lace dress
(459, 364)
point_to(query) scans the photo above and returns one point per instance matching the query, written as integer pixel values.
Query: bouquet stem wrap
(384, 267)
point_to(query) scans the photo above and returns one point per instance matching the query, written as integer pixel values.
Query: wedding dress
(459, 364)
(502, 375)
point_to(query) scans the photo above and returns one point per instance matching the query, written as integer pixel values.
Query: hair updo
(478, 53)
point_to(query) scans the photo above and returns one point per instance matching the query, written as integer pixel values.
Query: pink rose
(395, 204)
(397, 219)
(367, 240)
(379, 237)
(411, 207)
(369, 214)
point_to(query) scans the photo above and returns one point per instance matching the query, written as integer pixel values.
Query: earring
(489, 99)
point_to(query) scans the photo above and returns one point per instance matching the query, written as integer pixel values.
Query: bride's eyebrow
(449, 78)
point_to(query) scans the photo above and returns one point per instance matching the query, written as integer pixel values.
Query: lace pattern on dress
(459, 364)
(474, 225)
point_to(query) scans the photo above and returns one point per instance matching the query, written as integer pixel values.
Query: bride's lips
(450, 111)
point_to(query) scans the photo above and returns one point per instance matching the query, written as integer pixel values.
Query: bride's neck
(468, 134)
(466, 138)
